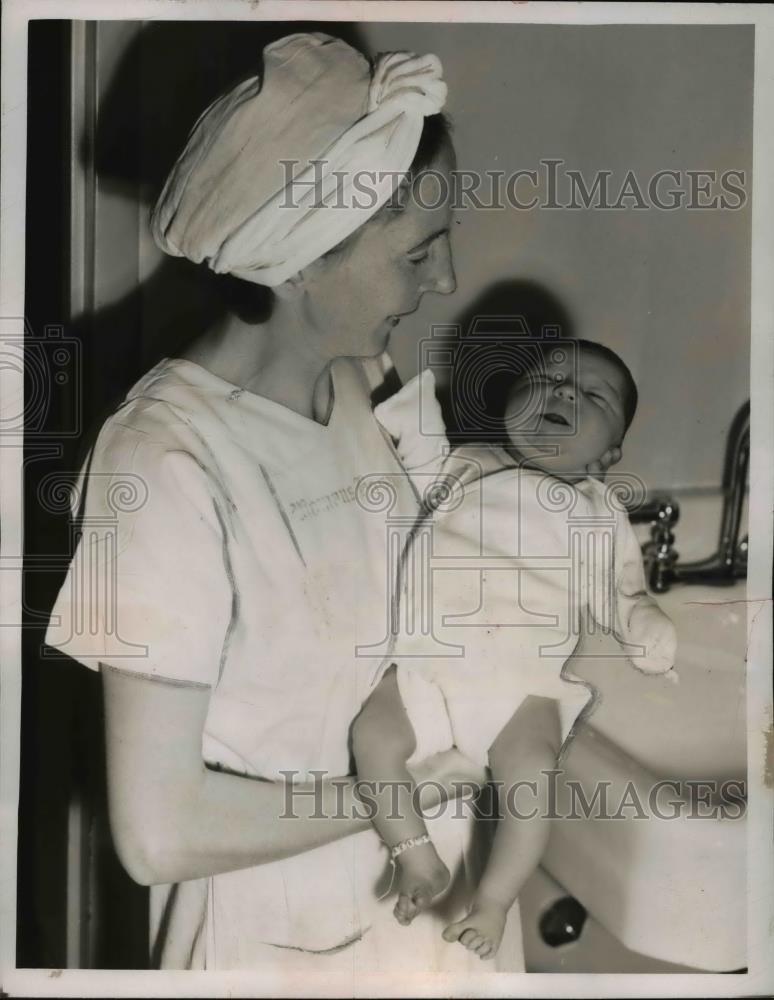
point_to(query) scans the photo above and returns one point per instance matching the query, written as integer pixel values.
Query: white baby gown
(506, 569)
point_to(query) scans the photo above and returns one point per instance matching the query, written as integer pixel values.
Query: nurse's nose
(565, 391)
(442, 279)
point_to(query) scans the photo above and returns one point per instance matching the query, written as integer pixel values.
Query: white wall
(668, 290)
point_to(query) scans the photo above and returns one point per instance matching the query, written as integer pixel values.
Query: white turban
(231, 202)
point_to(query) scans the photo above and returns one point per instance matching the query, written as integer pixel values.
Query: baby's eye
(418, 260)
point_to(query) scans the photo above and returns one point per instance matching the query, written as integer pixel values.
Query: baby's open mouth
(556, 418)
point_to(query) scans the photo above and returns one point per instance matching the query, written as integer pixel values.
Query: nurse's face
(355, 297)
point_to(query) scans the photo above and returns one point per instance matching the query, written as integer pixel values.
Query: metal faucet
(729, 562)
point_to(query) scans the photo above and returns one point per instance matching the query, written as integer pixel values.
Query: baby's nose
(565, 391)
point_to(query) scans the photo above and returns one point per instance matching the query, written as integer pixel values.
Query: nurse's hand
(445, 776)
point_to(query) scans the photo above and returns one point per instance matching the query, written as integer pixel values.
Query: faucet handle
(659, 553)
(667, 512)
(659, 510)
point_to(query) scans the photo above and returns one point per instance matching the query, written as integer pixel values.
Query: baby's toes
(484, 950)
(455, 931)
(471, 939)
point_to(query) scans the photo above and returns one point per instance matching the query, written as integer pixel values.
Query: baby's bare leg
(524, 750)
(382, 741)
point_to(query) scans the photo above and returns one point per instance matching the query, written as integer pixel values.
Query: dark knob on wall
(562, 922)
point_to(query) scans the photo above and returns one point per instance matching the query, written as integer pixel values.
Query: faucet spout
(729, 562)
(735, 478)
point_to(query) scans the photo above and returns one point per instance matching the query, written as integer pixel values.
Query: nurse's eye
(419, 259)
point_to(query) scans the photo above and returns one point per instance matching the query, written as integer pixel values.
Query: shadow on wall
(484, 353)
(170, 73)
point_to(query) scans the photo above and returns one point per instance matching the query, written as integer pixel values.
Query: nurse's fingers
(405, 910)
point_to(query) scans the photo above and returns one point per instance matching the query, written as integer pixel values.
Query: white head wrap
(229, 199)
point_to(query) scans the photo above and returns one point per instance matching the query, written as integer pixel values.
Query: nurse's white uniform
(245, 563)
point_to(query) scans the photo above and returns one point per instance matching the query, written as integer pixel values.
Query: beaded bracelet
(407, 844)
(396, 851)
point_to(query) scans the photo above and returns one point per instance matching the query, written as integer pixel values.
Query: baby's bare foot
(481, 929)
(422, 876)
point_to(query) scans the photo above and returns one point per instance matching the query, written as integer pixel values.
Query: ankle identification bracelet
(396, 851)
(406, 845)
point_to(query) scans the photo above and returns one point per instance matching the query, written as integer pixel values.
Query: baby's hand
(651, 628)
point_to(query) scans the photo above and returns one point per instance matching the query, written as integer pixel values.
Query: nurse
(222, 602)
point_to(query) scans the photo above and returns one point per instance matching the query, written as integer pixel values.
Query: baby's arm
(383, 741)
(523, 752)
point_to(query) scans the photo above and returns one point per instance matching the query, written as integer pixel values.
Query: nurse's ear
(292, 287)
(297, 284)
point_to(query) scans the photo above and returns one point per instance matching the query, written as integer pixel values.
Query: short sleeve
(148, 589)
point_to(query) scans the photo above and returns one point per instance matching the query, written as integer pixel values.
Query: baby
(534, 546)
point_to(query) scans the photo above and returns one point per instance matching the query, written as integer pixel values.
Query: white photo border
(759, 980)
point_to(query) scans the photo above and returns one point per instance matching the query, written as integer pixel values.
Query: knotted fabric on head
(346, 136)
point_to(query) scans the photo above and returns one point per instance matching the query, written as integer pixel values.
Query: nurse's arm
(174, 819)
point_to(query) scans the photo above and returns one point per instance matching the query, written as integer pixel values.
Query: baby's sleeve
(413, 419)
(147, 590)
(640, 621)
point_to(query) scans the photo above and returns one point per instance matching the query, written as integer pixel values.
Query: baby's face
(568, 413)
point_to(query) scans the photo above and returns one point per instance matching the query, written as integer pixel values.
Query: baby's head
(570, 408)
